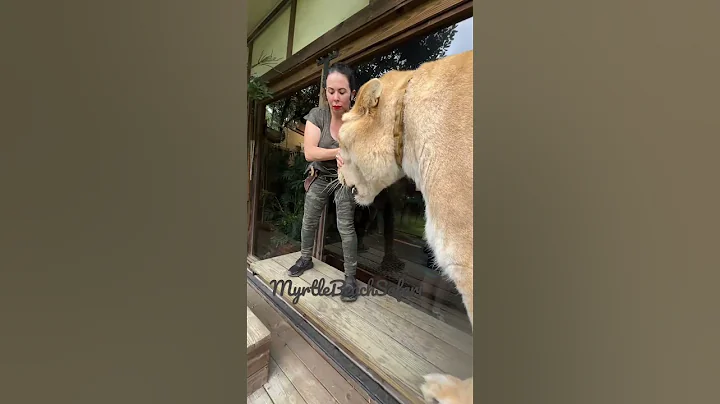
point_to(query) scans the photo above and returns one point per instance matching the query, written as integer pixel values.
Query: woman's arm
(311, 141)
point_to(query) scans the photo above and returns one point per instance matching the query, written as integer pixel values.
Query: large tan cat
(419, 123)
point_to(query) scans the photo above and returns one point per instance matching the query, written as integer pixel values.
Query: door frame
(415, 18)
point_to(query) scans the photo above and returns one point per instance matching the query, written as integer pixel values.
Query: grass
(411, 224)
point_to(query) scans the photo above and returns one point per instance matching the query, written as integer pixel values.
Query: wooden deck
(395, 341)
(298, 374)
(258, 352)
(439, 298)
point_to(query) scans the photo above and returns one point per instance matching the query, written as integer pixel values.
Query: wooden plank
(457, 338)
(258, 352)
(250, 141)
(434, 308)
(360, 388)
(421, 21)
(379, 251)
(291, 28)
(256, 380)
(279, 387)
(440, 353)
(424, 17)
(441, 312)
(356, 336)
(319, 240)
(395, 363)
(335, 383)
(448, 292)
(287, 85)
(250, 61)
(252, 258)
(260, 396)
(421, 273)
(339, 387)
(310, 388)
(257, 334)
(460, 334)
(302, 379)
(259, 116)
(257, 362)
(370, 16)
(435, 290)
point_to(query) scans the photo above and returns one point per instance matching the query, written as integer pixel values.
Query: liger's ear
(369, 95)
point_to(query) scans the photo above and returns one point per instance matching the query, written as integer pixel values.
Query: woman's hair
(346, 71)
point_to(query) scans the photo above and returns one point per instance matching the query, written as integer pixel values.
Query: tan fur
(437, 153)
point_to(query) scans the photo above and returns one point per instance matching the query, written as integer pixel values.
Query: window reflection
(391, 245)
(282, 172)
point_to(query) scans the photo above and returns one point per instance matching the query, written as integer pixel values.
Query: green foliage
(409, 55)
(258, 89)
(283, 197)
(293, 108)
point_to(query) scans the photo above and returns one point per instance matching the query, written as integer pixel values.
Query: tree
(293, 108)
(409, 55)
(282, 203)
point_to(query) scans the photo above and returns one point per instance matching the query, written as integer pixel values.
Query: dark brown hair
(346, 71)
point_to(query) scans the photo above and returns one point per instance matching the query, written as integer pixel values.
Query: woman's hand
(311, 141)
(339, 159)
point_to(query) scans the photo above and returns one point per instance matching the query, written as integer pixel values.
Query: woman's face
(338, 92)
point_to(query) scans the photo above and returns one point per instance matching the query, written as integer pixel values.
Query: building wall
(258, 10)
(293, 140)
(273, 40)
(314, 18)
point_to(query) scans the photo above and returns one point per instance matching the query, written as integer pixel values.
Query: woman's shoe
(301, 265)
(349, 291)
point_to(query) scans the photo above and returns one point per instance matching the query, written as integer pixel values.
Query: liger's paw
(447, 389)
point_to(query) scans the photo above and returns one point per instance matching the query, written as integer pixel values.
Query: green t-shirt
(320, 117)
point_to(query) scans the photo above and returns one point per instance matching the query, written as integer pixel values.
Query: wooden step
(258, 353)
(395, 341)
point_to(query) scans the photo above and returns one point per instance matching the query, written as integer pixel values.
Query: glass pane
(390, 233)
(282, 171)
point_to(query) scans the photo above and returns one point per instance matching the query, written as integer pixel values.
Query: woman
(321, 150)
